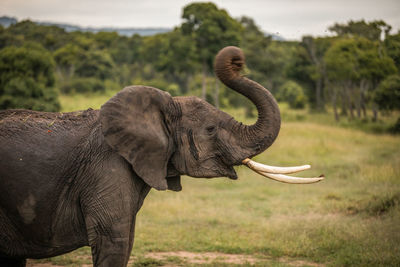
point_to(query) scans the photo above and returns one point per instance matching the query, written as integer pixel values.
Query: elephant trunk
(257, 137)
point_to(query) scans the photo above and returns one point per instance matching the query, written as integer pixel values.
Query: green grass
(84, 101)
(382, 125)
(352, 218)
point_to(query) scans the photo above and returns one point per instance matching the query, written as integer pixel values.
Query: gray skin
(77, 179)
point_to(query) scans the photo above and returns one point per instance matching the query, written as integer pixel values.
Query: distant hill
(274, 36)
(6, 21)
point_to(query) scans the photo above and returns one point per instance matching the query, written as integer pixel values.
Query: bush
(293, 94)
(387, 95)
(83, 85)
(27, 79)
(396, 127)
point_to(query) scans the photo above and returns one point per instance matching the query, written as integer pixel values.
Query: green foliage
(396, 127)
(96, 64)
(293, 94)
(392, 45)
(83, 85)
(342, 61)
(27, 79)
(353, 66)
(300, 69)
(172, 54)
(370, 30)
(266, 59)
(50, 37)
(387, 95)
(211, 28)
(67, 58)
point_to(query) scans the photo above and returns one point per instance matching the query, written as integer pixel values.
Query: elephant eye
(210, 129)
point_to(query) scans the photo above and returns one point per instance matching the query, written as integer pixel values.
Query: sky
(290, 19)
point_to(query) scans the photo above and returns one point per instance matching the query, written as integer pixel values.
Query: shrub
(387, 95)
(27, 79)
(293, 94)
(83, 85)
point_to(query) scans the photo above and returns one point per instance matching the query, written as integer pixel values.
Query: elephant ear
(133, 124)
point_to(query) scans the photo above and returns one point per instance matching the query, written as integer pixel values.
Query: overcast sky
(291, 19)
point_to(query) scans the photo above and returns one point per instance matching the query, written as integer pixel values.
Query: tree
(27, 79)
(355, 67)
(67, 58)
(370, 30)
(300, 69)
(265, 58)
(392, 45)
(178, 58)
(316, 49)
(211, 29)
(387, 95)
(293, 94)
(254, 45)
(50, 37)
(96, 63)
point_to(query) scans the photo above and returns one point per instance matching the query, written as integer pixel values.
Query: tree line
(353, 71)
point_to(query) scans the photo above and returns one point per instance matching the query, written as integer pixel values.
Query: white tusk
(258, 167)
(290, 179)
(276, 173)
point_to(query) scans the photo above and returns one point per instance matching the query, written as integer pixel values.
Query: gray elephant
(77, 179)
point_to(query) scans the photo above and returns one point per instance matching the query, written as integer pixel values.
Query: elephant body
(69, 180)
(56, 191)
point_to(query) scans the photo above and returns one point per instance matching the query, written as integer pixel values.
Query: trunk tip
(229, 62)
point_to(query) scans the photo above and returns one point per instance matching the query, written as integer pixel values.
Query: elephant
(77, 179)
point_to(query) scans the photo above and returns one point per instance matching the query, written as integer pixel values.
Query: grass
(352, 218)
(84, 101)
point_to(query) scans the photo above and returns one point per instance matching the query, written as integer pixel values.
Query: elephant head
(163, 137)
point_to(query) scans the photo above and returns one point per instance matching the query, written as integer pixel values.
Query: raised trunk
(259, 136)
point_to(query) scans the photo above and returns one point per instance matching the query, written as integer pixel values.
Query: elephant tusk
(258, 167)
(278, 176)
(290, 179)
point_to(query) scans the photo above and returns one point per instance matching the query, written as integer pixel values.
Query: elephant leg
(7, 262)
(107, 251)
(111, 244)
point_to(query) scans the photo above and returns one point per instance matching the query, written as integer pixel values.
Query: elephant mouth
(231, 174)
(216, 167)
(227, 169)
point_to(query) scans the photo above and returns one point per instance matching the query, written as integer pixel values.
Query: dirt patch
(215, 257)
(202, 258)
(180, 258)
(299, 263)
(30, 263)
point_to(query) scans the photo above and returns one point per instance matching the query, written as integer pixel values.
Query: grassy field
(352, 218)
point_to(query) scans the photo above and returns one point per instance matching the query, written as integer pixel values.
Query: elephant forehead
(196, 110)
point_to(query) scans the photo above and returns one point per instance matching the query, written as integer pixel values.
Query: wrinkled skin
(78, 179)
